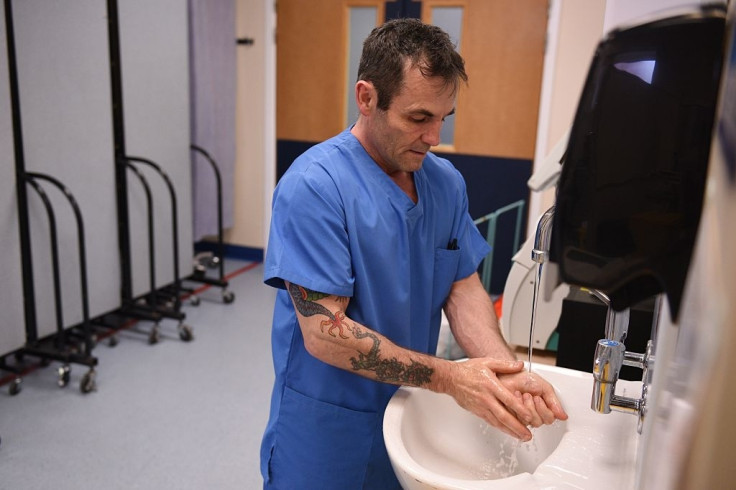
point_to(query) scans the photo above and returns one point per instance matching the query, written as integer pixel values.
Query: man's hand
(537, 395)
(476, 386)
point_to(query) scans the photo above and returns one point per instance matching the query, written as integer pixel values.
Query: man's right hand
(475, 386)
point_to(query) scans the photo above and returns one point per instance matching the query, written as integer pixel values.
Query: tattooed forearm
(305, 301)
(389, 370)
(394, 370)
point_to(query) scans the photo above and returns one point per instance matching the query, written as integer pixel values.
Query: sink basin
(434, 443)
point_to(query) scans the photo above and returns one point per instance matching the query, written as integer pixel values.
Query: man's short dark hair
(387, 48)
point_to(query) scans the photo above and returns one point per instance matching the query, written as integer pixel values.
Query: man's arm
(474, 324)
(473, 320)
(332, 337)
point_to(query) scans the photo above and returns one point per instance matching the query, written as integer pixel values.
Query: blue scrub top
(341, 226)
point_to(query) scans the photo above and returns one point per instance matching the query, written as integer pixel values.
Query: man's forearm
(332, 337)
(473, 320)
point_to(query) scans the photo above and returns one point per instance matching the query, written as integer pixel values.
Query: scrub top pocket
(446, 263)
(320, 445)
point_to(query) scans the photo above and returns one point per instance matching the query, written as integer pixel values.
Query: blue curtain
(212, 78)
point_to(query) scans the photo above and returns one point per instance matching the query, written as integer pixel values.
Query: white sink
(434, 443)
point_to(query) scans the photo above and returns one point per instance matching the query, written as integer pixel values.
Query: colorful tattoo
(391, 370)
(305, 302)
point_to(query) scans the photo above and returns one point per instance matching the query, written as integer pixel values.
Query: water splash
(506, 463)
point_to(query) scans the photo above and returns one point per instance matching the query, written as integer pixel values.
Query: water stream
(535, 297)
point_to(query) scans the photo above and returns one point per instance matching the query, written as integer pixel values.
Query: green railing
(492, 219)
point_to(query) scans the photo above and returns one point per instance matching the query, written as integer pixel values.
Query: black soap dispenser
(630, 193)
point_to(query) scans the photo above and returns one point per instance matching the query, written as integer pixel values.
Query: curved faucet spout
(543, 237)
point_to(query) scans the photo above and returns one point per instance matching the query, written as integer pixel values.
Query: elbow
(314, 344)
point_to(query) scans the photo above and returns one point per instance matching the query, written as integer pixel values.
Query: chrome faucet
(611, 356)
(540, 252)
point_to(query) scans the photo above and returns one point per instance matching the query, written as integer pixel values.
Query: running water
(537, 282)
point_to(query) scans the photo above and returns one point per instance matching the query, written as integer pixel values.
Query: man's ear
(366, 97)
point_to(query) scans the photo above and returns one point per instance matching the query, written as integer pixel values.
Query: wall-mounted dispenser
(630, 195)
(631, 189)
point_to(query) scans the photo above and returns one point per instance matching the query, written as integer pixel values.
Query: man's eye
(419, 119)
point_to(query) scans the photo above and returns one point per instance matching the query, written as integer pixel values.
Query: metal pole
(29, 300)
(118, 124)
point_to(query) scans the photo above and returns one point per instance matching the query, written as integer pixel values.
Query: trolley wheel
(154, 336)
(88, 383)
(113, 340)
(64, 375)
(185, 333)
(228, 297)
(194, 300)
(15, 386)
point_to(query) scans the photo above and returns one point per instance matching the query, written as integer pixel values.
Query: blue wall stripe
(231, 251)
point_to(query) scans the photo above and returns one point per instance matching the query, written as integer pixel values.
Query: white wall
(574, 30)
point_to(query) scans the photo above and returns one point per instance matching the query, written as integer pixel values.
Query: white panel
(155, 64)
(67, 129)
(12, 326)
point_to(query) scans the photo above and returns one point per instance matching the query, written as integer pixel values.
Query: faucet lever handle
(609, 357)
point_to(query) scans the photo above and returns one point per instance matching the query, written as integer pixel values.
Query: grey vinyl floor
(174, 415)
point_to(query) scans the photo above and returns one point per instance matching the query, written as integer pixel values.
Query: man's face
(400, 137)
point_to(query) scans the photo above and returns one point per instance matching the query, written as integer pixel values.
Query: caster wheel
(88, 383)
(15, 386)
(64, 375)
(213, 262)
(185, 333)
(154, 336)
(228, 297)
(194, 300)
(113, 341)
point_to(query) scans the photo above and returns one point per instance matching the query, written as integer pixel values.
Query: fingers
(544, 395)
(503, 420)
(505, 367)
(537, 418)
(543, 410)
(521, 414)
(551, 402)
(511, 421)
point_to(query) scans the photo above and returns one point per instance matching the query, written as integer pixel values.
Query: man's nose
(432, 135)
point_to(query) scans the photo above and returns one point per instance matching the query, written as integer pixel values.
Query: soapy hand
(537, 395)
(476, 386)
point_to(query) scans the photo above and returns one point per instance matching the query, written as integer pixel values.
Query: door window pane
(450, 19)
(362, 21)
